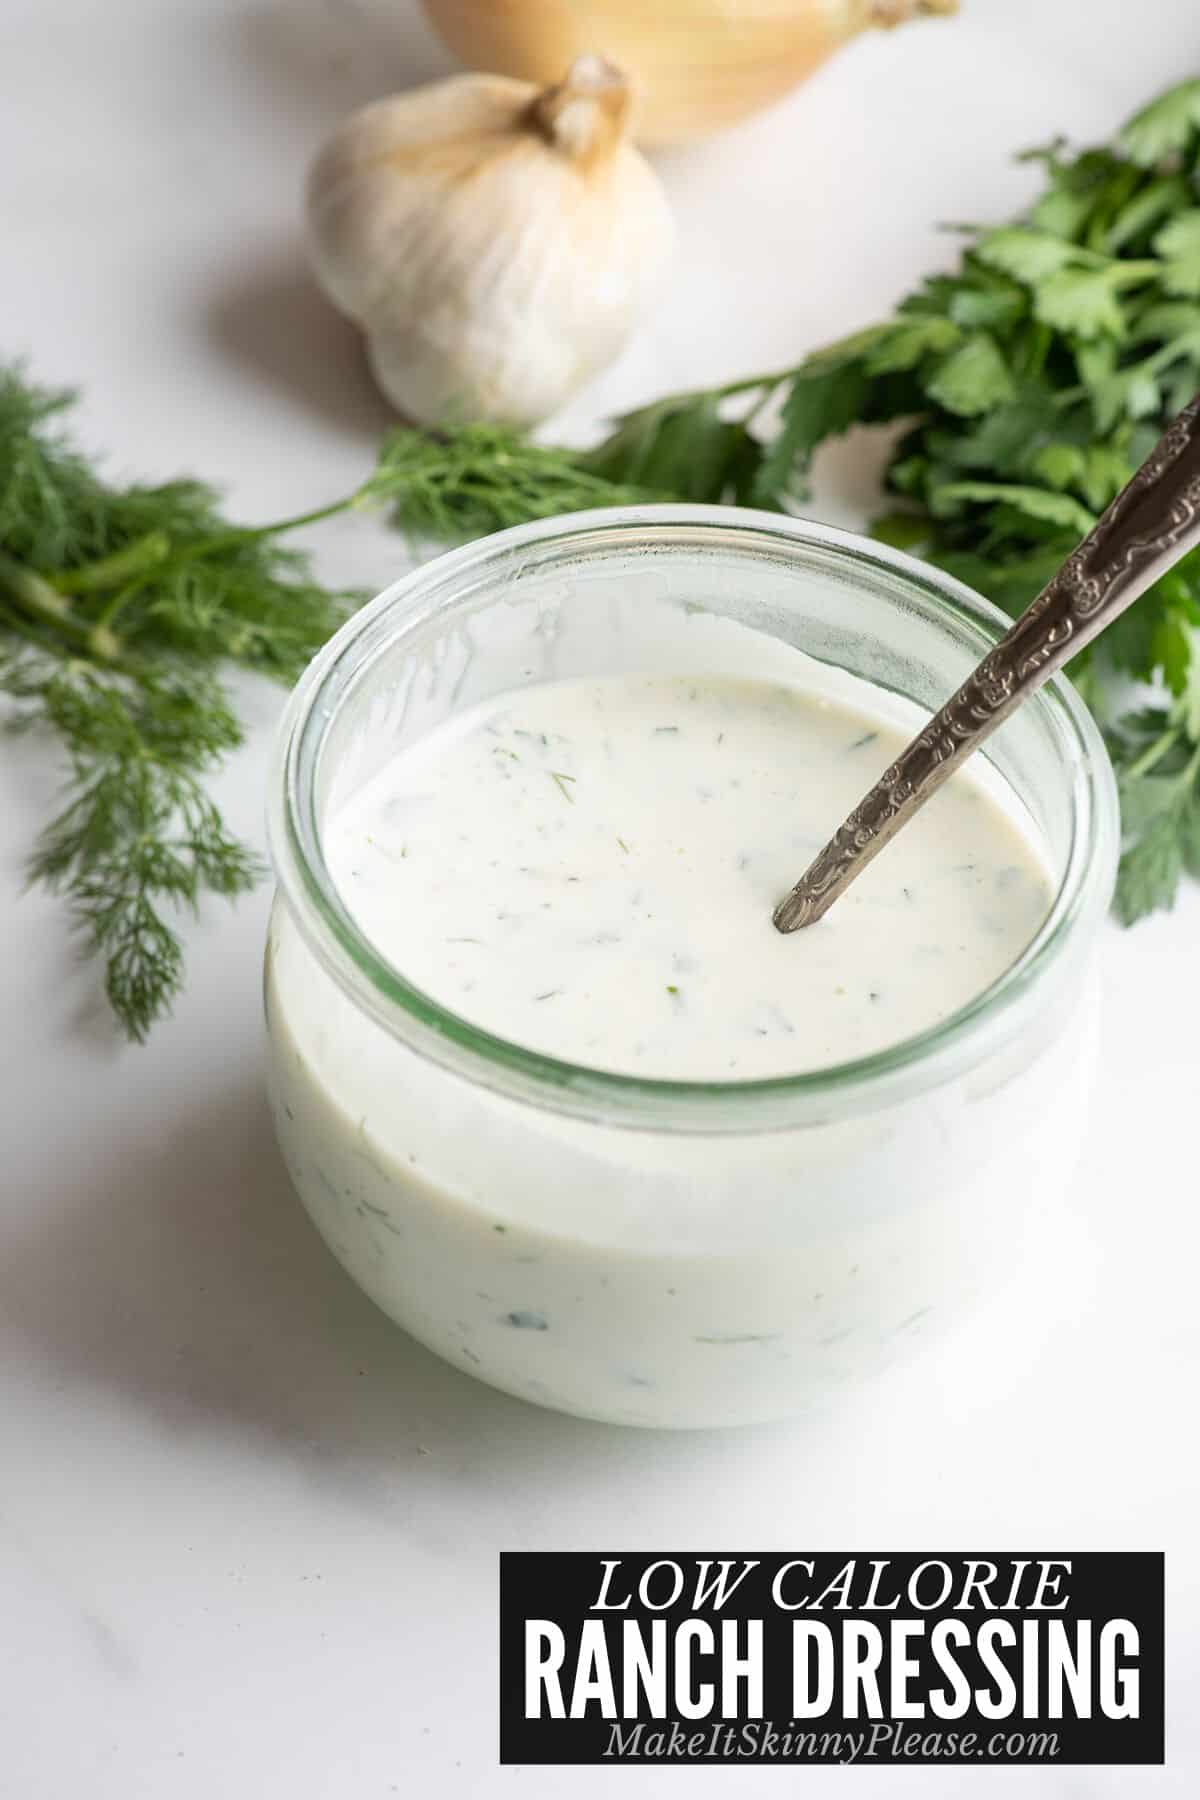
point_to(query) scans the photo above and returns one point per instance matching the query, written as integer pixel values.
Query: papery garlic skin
(497, 243)
(699, 65)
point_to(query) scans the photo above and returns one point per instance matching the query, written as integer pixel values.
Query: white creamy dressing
(588, 868)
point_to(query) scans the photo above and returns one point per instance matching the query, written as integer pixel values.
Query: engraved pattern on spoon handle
(1151, 523)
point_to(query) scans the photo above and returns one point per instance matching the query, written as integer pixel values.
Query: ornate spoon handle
(1152, 522)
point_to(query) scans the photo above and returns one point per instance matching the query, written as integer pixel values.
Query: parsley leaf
(820, 404)
(1028, 255)
(1179, 245)
(972, 379)
(1033, 502)
(1087, 301)
(1166, 127)
(1150, 870)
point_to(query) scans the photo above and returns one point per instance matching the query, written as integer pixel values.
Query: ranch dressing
(588, 868)
(556, 785)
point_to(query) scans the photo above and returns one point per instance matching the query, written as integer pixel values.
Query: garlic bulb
(495, 242)
(699, 65)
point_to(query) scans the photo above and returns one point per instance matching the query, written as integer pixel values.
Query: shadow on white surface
(272, 321)
(181, 1273)
(312, 62)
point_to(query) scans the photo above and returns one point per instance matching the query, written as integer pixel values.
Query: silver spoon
(1153, 521)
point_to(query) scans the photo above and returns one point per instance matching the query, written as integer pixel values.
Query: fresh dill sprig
(482, 478)
(138, 832)
(119, 607)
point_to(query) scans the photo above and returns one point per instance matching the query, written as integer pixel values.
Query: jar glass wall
(655, 1252)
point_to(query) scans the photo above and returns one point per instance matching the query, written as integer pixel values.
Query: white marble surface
(248, 1532)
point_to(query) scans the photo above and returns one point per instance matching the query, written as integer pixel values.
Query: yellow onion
(699, 65)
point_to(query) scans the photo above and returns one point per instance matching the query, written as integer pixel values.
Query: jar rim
(500, 1064)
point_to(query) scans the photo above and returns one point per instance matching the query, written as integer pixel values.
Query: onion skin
(699, 65)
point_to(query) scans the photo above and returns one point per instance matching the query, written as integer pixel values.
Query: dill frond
(118, 607)
(475, 479)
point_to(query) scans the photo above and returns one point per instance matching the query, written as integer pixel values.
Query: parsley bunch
(1031, 382)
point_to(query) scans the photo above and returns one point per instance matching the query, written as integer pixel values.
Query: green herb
(119, 605)
(1032, 379)
(1159, 772)
(482, 478)
(116, 607)
(560, 780)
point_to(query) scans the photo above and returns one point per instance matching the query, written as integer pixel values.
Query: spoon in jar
(1153, 521)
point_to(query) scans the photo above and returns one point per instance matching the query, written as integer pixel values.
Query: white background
(248, 1531)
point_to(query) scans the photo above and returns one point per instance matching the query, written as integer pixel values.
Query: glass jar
(656, 1252)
